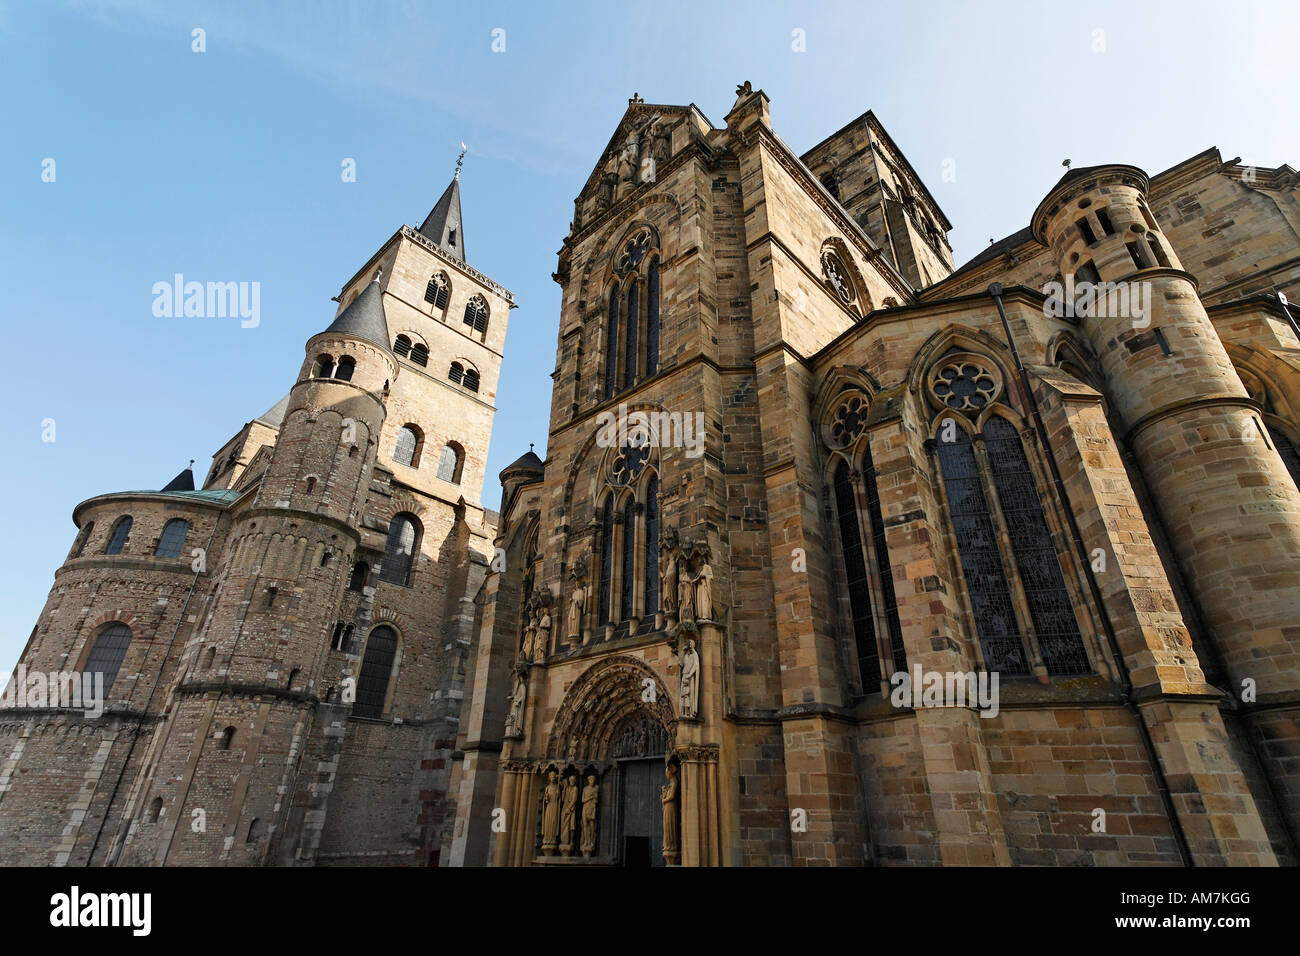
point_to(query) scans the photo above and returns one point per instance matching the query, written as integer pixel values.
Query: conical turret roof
(364, 317)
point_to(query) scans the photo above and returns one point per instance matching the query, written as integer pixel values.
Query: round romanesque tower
(1231, 508)
(227, 757)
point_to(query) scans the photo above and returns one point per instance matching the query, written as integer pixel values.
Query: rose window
(631, 459)
(637, 247)
(964, 386)
(849, 420)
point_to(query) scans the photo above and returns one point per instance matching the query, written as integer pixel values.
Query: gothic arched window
(438, 292)
(400, 549)
(376, 672)
(633, 328)
(106, 654)
(606, 560)
(611, 343)
(117, 540)
(652, 317)
(981, 560)
(1050, 607)
(855, 570)
(884, 568)
(652, 544)
(476, 314)
(172, 539)
(627, 579)
(407, 449)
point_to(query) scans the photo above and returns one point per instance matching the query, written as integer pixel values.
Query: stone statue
(590, 795)
(568, 814)
(542, 643)
(530, 626)
(577, 598)
(668, 574)
(515, 719)
(668, 796)
(685, 597)
(704, 592)
(550, 813)
(663, 143)
(689, 699)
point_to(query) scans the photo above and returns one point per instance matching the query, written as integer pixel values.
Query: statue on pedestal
(590, 795)
(567, 815)
(551, 798)
(689, 697)
(669, 796)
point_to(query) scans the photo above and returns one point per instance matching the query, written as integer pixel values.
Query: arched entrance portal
(618, 716)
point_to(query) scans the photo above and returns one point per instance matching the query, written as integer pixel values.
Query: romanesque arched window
(451, 462)
(376, 673)
(226, 739)
(471, 380)
(402, 346)
(407, 449)
(79, 546)
(420, 354)
(323, 367)
(400, 549)
(343, 371)
(360, 574)
(172, 539)
(121, 531)
(456, 373)
(606, 561)
(652, 544)
(106, 654)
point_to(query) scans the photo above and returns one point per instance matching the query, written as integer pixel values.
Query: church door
(642, 816)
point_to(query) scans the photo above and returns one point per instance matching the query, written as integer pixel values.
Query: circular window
(965, 385)
(848, 421)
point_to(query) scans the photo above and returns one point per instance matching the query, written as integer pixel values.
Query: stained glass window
(652, 318)
(1050, 606)
(633, 323)
(881, 548)
(606, 560)
(628, 595)
(652, 545)
(611, 343)
(981, 561)
(855, 567)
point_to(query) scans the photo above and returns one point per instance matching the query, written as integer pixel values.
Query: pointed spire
(443, 224)
(364, 317)
(182, 482)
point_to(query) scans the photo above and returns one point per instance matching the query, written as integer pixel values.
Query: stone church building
(839, 553)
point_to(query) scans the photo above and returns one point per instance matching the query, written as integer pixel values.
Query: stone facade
(901, 467)
(254, 716)
(798, 466)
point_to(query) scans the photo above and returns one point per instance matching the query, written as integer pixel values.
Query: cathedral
(839, 553)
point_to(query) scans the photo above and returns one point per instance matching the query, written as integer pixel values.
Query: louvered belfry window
(438, 292)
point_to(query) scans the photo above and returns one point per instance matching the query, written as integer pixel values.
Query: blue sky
(225, 166)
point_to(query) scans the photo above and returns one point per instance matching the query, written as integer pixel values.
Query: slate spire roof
(443, 224)
(364, 317)
(182, 482)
